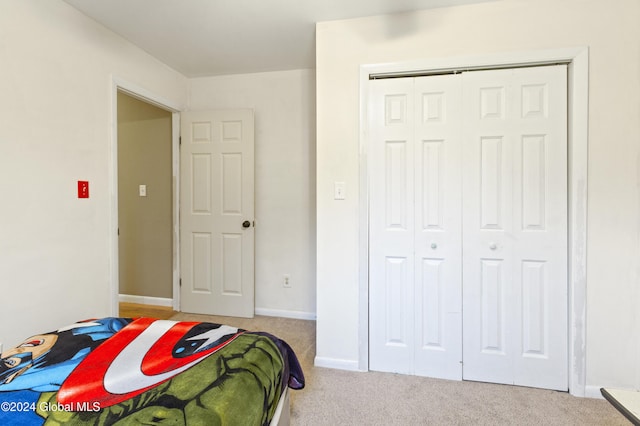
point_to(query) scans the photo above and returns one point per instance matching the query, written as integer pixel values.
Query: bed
(120, 371)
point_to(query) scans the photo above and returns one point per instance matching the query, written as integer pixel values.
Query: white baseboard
(145, 300)
(593, 392)
(285, 314)
(338, 364)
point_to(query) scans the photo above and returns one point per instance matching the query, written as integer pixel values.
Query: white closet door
(391, 226)
(468, 226)
(438, 227)
(415, 227)
(515, 227)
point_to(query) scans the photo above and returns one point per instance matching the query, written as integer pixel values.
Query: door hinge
(180, 282)
(179, 140)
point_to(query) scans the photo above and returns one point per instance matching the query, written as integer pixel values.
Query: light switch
(142, 190)
(339, 190)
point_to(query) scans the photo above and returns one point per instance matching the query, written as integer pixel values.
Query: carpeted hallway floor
(335, 397)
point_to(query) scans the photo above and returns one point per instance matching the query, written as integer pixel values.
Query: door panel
(515, 227)
(392, 228)
(217, 257)
(438, 233)
(415, 244)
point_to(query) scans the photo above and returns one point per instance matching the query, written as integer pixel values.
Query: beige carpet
(335, 397)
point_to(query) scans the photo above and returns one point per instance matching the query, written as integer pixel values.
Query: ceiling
(216, 37)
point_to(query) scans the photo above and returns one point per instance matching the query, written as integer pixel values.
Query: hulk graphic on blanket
(119, 382)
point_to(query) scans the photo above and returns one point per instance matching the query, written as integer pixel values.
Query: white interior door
(438, 233)
(468, 220)
(217, 212)
(392, 227)
(515, 227)
(415, 227)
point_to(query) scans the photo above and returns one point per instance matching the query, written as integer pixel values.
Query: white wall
(55, 129)
(284, 107)
(612, 35)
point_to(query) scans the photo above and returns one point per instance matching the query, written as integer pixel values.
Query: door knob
(434, 246)
(246, 224)
(493, 246)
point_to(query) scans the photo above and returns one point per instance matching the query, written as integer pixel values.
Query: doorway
(145, 199)
(468, 226)
(232, 128)
(149, 98)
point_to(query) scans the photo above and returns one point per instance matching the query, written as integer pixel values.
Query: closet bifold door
(468, 226)
(391, 226)
(438, 230)
(415, 226)
(515, 227)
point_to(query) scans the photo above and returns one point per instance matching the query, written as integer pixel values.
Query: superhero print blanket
(121, 371)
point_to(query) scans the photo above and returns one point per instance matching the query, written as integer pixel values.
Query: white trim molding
(338, 364)
(145, 300)
(593, 392)
(285, 314)
(577, 59)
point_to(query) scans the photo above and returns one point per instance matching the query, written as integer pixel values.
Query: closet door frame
(577, 61)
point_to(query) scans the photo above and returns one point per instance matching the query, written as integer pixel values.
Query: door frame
(142, 94)
(577, 60)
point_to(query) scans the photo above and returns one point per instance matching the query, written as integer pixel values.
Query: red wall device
(83, 189)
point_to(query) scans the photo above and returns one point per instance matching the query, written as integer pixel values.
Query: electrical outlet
(286, 281)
